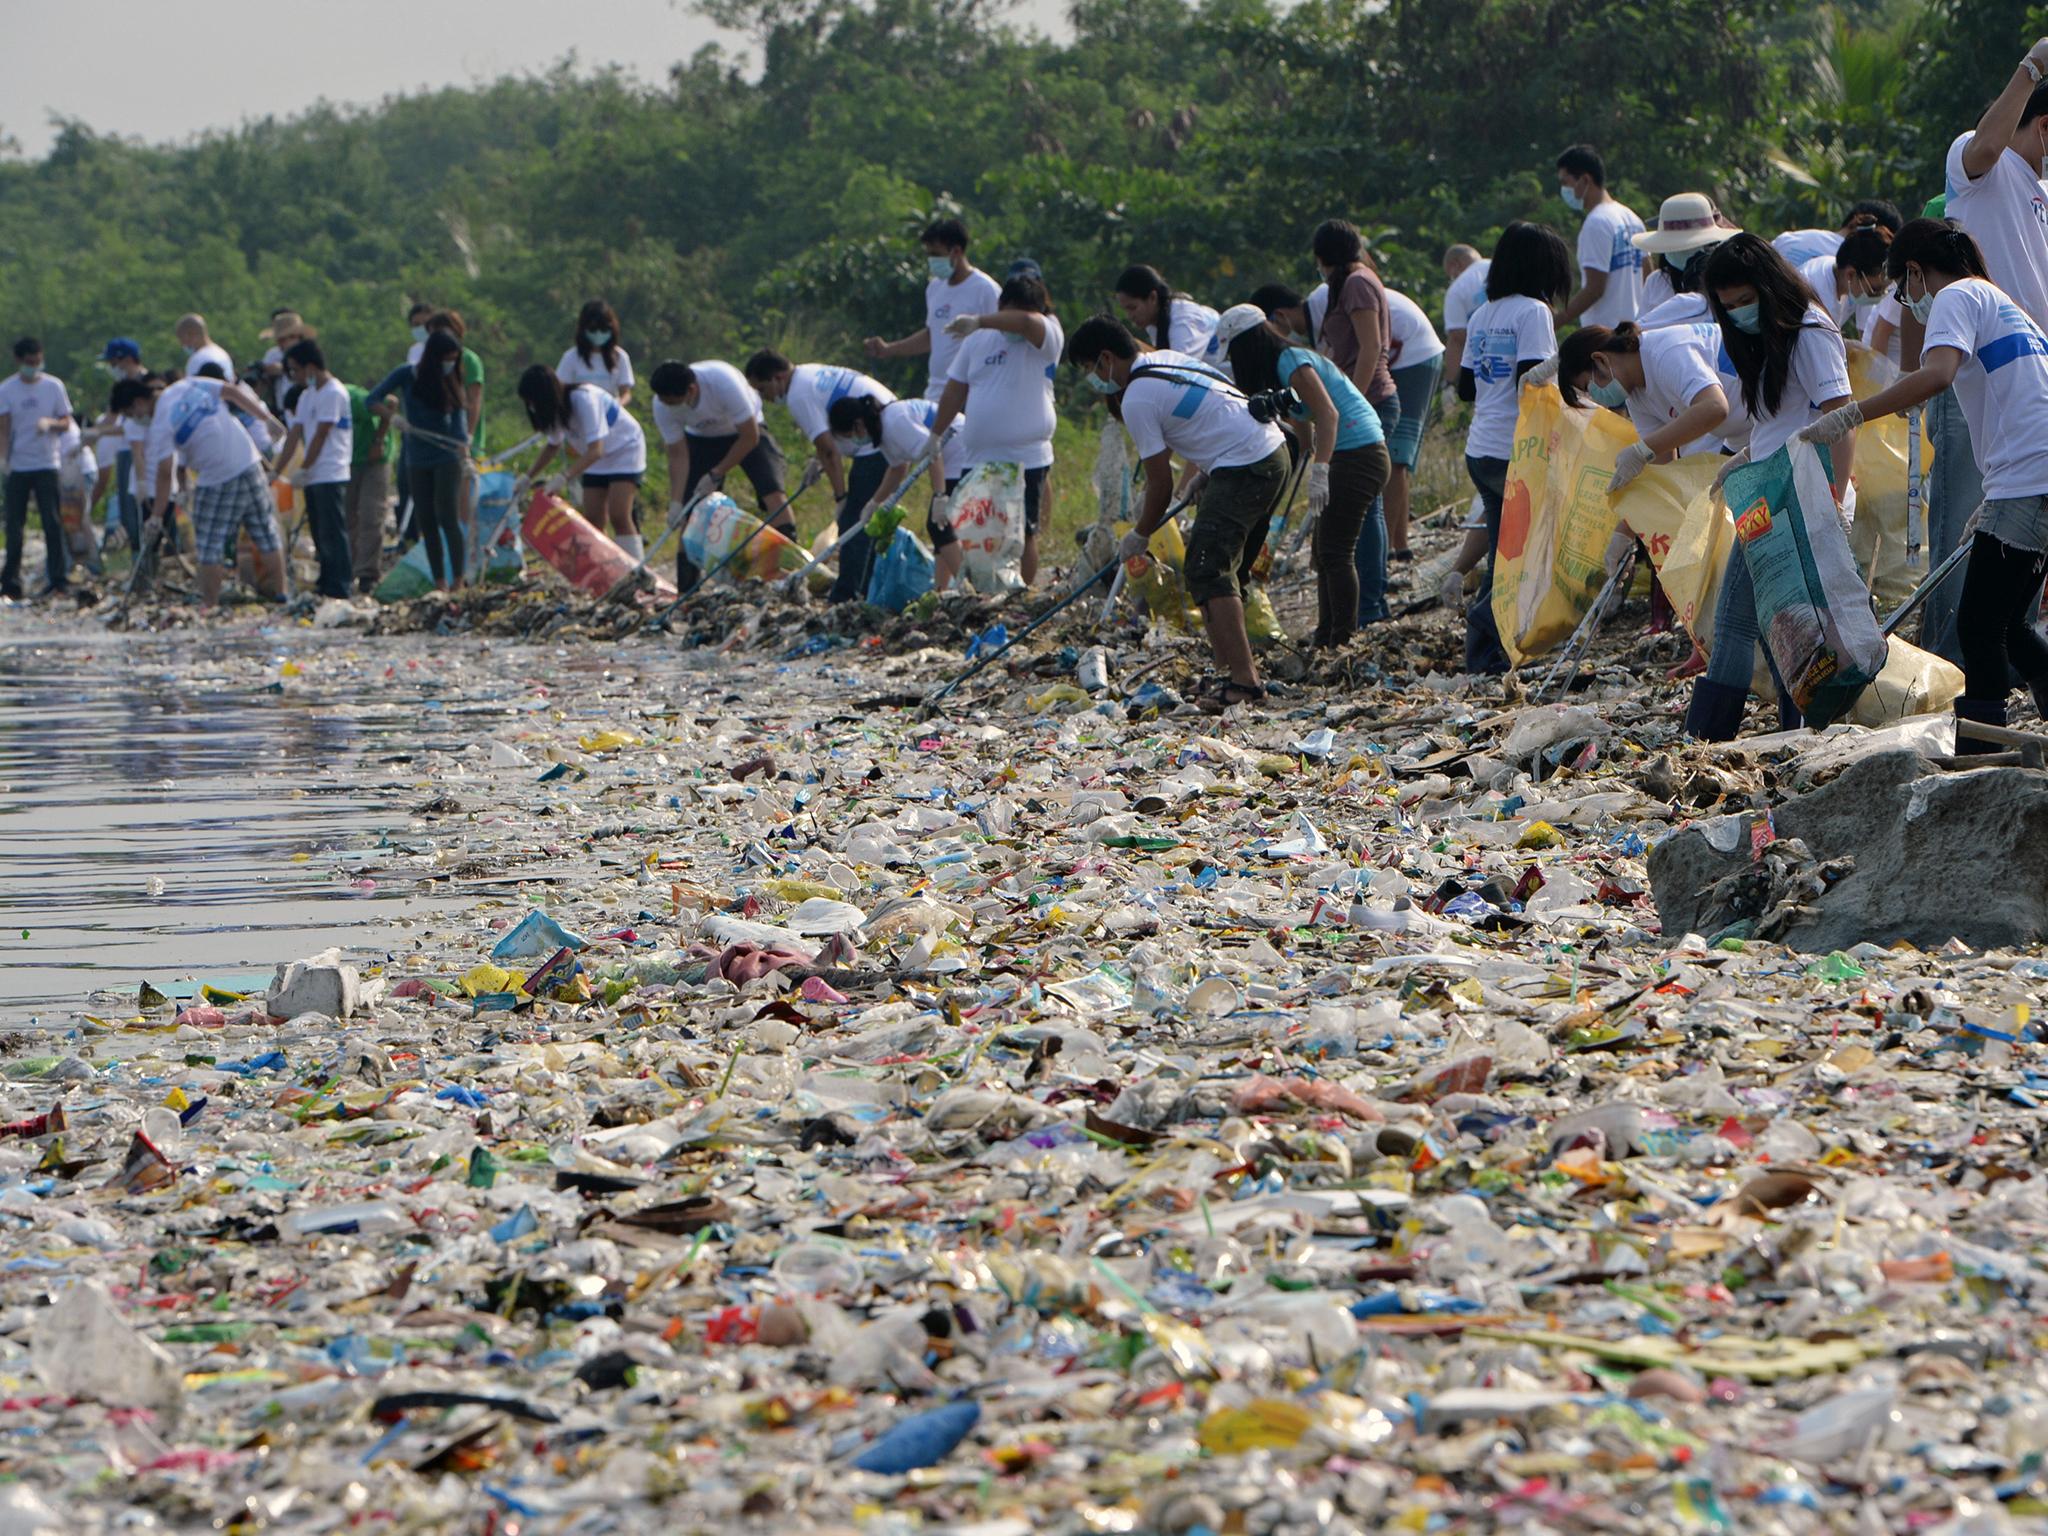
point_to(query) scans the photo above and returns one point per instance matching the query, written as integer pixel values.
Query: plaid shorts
(219, 512)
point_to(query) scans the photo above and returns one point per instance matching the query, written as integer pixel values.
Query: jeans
(1483, 651)
(1954, 489)
(856, 560)
(1995, 620)
(327, 516)
(41, 484)
(1371, 557)
(369, 489)
(1736, 634)
(437, 512)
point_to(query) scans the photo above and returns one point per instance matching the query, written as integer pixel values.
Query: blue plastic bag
(903, 574)
(924, 1440)
(535, 937)
(496, 555)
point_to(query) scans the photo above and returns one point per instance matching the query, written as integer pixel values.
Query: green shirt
(366, 429)
(1937, 207)
(473, 373)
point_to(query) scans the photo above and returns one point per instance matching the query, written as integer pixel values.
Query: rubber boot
(1789, 718)
(1715, 713)
(1983, 712)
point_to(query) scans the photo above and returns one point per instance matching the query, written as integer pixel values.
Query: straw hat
(1685, 222)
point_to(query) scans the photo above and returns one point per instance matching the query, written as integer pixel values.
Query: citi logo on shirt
(1624, 255)
(996, 358)
(1496, 357)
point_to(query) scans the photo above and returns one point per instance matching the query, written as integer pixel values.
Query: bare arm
(1321, 410)
(1365, 325)
(1589, 294)
(1158, 493)
(2001, 120)
(291, 441)
(1017, 322)
(743, 443)
(916, 344)
(320, 435)
(1937, 370)
(835, 467)
(1707, 413)
(951, 404)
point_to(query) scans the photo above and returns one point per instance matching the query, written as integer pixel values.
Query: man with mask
(808, 390)
(956, 287)
(201, 348)
(34, 411)
(1611, 289)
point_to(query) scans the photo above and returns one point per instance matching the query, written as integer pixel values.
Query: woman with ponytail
(1996, 358)
(1168, 321)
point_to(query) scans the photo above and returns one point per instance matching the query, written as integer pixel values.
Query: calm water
(167, 814)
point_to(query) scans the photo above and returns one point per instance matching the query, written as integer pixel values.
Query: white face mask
(419, 333)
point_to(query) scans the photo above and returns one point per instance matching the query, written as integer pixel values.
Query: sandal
(1226, 693)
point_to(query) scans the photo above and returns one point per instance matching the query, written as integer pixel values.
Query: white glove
(1318, 489)
(963, 325)
(553, 484)
(1133, 546)
(1195, 484)
(2039, 54)
(1451, 590)
(1834, 426)
(1628, 463)
(1544, 372)
(1729, 465)
(705, 486)
(1618, 549)
(942, 512)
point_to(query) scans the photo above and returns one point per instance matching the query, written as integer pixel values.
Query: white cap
(1236, 320)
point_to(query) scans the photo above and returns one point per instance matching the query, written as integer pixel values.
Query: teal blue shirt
(1358, 424)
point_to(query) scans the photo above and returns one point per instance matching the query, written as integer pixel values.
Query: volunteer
(449, 322)
(1357, 334)
(1789, 360)
(1689, 226)
(416, 318)
(77, 469)
(1993, 190)
(1173, 404)
(366, 501)
(709, 419)
(1984, 346)
(1465, 273)
(193, 420)
(35, 409)
(436, 448)
(323, 424)
(1166, 319)
(1416, 362)
(116, 480)
(607, 449)
(1611, 267)
(285, 330)
(903, 430)
(1513, 331)
(1851, 281)
(954, 288)
(200, 348)
(1004, 371)
(1799, 246)
(808, 390)
(595, 356)
(1347, 451)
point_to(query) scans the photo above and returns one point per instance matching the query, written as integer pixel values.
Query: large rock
(1935, 856)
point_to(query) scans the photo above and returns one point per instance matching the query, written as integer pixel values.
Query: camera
(1271, 405)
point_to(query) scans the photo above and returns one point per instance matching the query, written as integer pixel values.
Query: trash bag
(588, 560)
(494, 555)
(1161, 586)
(903, 574)
(718, 527)
(411, 577)
(988, 519)
(1261, 621)
(1913, 682)
(1812, 608)
(1877, 538)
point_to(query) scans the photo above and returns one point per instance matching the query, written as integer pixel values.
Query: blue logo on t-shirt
(1625, 255)
(1497, 351)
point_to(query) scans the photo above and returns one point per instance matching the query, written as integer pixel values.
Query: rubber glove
(1133, 546)
(1834, 426)
(963, 325)
(1729, 465)
(1318, 489)
(1628, 463)
(1618, 549)
(942, 512)
(1544, 372)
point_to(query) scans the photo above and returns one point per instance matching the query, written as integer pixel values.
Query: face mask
(1747, 318)
(1863, 301)
(419, 333)
(1610, 394)
(1678, 261)
(188, 351)
(940, 267)
(598, 338)
(1296, 339)
(1572, 200)
(1100, 385)
(30, 372)
(1922, 308)
(449, 365)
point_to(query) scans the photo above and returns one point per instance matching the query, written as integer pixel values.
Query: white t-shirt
(76, 465)
(1888, 312)
(1208, 425)
(2006, 213)
(1679, 309)
(414, 353)
(1678, 362)
(328, 403)
(141, 468)
(2002, 384)
(1009, 391)
(1193, 326)
(944, 299)
(25, 404)
(614, 381)
(1607, 244)
(192, 421)
(1799, 246)
(1318, 305)
(595, 417)
(1466, 293)
(1502, 335)
(281, 383)
(1820, 277)
(907, 430)
(814, 386)
(1414, 339)
(212, 352)
(725, 403)
(1657, 290)
(1819, 373)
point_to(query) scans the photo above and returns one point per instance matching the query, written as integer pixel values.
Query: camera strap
(1198, 382)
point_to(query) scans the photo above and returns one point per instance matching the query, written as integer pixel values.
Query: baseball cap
(119, 347)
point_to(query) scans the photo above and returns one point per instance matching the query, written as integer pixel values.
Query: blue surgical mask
(1922, 308)
(1296, 339)
(1572, 200)
(188, 351)
(1610, 394)
(848, 446)
(940, 267)
(1100, 385)
(1747, 318)
(30, 372)
(598, 338)
(1678, 261)
(419, 333)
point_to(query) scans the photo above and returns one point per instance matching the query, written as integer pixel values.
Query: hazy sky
(166, 72)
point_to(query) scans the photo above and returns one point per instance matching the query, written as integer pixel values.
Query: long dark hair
(1143, 282)
(1686, 279)
(1530, 261)
(1941, 244)
(598, 316)
(850, 411)
(545, 397)
(1764, 361)
(433, 384)
(1255, 359)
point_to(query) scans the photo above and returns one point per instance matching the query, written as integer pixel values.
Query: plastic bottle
(362, 1218)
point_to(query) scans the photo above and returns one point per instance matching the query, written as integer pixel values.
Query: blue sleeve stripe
(2010, 349)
